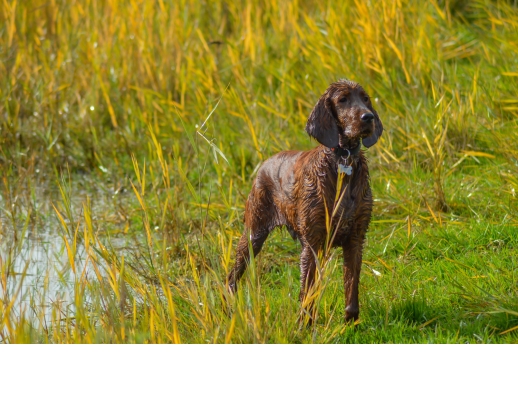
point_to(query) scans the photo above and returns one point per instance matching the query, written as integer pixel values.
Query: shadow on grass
(416, 321)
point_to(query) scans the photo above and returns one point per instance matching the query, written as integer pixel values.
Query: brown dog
(297, 188)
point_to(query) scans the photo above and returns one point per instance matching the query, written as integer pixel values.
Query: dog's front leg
(307, 281)
(352, 251)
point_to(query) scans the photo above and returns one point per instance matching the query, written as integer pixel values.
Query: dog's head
(343, 116)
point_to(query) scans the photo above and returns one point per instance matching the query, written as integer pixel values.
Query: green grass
(129, 137)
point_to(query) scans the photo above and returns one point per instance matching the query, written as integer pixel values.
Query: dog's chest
(343, 219)
(347, 208)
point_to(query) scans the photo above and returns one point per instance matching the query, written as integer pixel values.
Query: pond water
(36, 271)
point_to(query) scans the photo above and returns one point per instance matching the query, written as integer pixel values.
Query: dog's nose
(367, 117)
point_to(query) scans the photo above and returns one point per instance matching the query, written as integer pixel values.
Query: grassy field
(129, 137)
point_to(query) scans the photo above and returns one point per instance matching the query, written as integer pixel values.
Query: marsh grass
(131, 132)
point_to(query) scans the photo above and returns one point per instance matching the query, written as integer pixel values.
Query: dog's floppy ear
(322, 124)
(376, 134)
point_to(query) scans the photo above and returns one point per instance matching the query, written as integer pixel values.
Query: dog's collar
(347, 152)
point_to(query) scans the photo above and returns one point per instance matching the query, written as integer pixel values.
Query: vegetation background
(130, 132)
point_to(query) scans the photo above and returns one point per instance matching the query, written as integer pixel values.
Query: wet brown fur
(296, 188)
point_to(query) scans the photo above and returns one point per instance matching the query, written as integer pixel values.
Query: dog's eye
(343, 99)
(366, 98)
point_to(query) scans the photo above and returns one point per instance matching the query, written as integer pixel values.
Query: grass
(131, 131)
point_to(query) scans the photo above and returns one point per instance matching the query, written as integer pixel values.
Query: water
(36, 272)
(37, 282)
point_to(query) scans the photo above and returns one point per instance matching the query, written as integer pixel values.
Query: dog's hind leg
(256, 240)
(260, 219)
